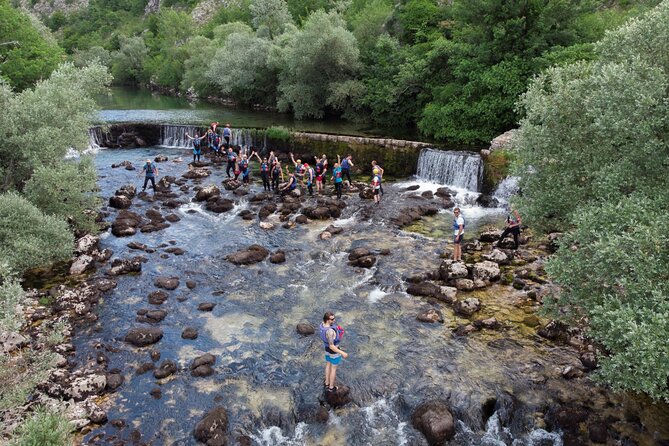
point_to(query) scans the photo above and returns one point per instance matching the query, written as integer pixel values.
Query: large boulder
(126, 223)
(434, 420)
(120, 202)
(231, 184)
(128, 190)
(219, 205)
(339, 397)
(143, 336)
(207, 192)
(490, 235)
(486, 270)
(125, 266)
(212, 429)
(81, 264)
(496, 256)
(305, 329)
(197, 173)
(429, 289)
(452, 270)
(248, 256)
(467, 307)
(87, 244)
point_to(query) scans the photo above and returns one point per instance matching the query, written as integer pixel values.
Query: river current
(497, 383)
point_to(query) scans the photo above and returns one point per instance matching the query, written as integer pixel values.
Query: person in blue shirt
(346, 165)
(264, 172)
(197, 145)
(337, 178)
(150, 171)
(227, 134)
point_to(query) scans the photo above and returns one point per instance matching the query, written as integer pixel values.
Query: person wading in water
(150, 170)
(331, 335)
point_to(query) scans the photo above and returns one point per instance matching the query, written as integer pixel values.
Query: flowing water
(459, 169)
(266, 373)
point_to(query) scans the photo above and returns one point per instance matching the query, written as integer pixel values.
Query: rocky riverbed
(192, 319)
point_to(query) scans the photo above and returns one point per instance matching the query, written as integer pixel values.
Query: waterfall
(506, 189)
(459, 169)
(95, 137)
(175, 135)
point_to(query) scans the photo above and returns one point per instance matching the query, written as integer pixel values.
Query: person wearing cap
(375, 166)
(376, 186)
(150, 170)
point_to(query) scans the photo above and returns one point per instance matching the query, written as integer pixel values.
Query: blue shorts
(333, 360)
(457, 239)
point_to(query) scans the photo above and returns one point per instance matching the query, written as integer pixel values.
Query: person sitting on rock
(150, 170)
(331, 335)
(513, 222)
(291, 185)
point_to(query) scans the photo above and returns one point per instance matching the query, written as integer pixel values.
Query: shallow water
(265, 370)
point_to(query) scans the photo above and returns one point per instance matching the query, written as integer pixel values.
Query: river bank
(487, 362)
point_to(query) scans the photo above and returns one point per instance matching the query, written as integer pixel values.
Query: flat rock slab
(248, 256)
(206, 306)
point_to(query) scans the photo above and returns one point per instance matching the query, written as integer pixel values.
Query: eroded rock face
(212, 429)
(248, 256)
(434, 420)
(85, 386)
(143, 336)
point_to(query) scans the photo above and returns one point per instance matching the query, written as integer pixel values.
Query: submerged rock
(431, 316)
(278, 257)
(305, 329)
(339, 397)
(248, 256)
(467, 307)
(212, 429)
(143, 336)
(434, 420)
(219, 205)
(167, 283)
(165, 369)
(429, 289)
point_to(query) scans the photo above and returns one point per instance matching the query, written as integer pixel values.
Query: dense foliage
(38, 127)
(25, 55)
(453, 70)
(594, 154)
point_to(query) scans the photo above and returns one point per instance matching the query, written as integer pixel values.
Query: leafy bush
(38, 126)
(66, 191)
(278, 133)
(592, 152)
(28, 238)
(45, 428)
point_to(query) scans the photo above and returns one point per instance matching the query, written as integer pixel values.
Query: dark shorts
(457, 239)
(376, 192)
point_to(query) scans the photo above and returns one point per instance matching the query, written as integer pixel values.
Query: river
(499, 384)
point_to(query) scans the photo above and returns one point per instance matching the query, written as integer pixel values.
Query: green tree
(270, 16)
(66, 190)
(200, 50)
(128, 62)
(495, 49)
(317, 61)
(28, 237)
(592, 151)
(25, 56)
(241, 69)
(39, 126)
(171, 32)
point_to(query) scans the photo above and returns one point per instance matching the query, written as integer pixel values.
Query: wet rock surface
(434, 420)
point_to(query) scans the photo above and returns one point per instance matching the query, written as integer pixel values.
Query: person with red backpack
(331, 335)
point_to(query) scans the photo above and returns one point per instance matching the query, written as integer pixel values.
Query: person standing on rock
(346, 165)
(331, 335)
(375, 166)
(513, 222)
(197, 145)
(310, 175)
(277, 175)
(227, 134)
(376, 187)
(320, 174)
(458, 234)
(338, 180)
(244, 169)
(264, 172)
(232, 161)
(150, 171)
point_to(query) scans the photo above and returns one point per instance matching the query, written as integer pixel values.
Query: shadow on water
(265, 371)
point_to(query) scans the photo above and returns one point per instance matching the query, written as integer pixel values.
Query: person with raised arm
(150, 171)
(264, 172)
(197, 144)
